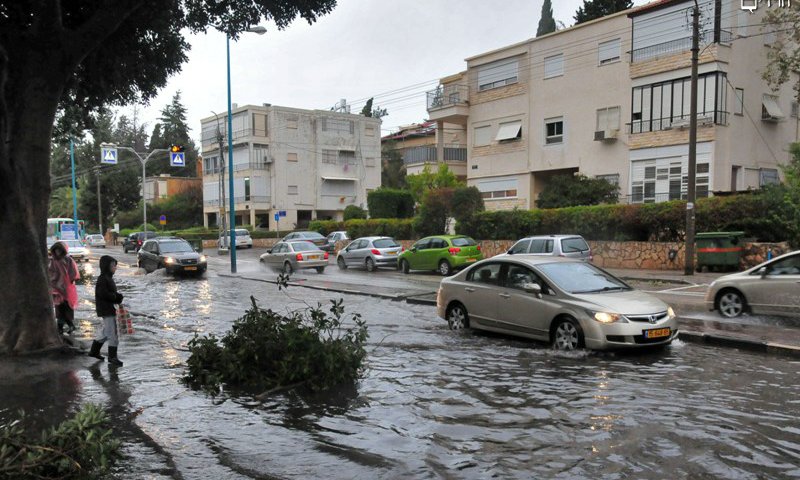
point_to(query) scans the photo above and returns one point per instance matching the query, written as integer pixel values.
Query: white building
(309, 163)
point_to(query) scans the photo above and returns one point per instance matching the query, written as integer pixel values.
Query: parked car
(334, 237)
(77, 250)
(176, 255)
(295, 255)
(771, 288)
(370, 253)
(569, 303)
(572, 246)
(314, 237)
(442, 253)
(243, 239)
(134, 241)
(95, 240)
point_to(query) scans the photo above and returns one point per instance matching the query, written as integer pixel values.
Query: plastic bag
(124, 321)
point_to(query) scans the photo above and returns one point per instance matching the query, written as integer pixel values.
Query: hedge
(390, 203)
(399, 228)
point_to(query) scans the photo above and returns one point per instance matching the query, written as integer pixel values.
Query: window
(769, 108)
(520, 247)
(369, 131)
(330, 156)
(347, 157)
(488, 274)
(795, 109)
(665, 105)
(509, 131)
(498, 74)
(291, 122)
(291, 157)
(338, 125)
(518, 276)
(292, 190)
(554, 66)
(482, 136)
(499, 188)
(738, 107)
(608, 52)
(541, 245)
(246, 189)
(608, 118)
(769, 176)
(369, 162)
(554, 131)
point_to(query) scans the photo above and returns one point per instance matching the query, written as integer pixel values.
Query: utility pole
(99, 203)
(691, 187)
(221, 218)
(74, 190)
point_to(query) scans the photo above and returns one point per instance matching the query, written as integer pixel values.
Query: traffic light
(176, 148)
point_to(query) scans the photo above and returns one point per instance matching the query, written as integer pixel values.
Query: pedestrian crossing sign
(177, 159)
(108, 155)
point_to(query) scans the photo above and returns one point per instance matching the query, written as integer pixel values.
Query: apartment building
(419, 145)
(310, 164)
(591, 99)
(160, 188)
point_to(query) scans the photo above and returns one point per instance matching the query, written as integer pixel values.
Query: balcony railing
(671, 123)
(675, 46)
(210, 135)
(237, 167)
(428, 154)
(447, 95)
(238, 200)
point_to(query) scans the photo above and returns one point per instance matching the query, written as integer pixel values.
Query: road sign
(68, 231)
(108, 155)
(177, 159)
(282, 213)
(162, 219)
(277, 217)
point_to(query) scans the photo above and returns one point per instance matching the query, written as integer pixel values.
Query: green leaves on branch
(80, 447)
(267, 350)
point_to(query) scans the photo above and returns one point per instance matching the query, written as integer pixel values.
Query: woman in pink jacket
(63, 273)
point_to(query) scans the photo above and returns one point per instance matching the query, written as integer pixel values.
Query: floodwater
(432, 403)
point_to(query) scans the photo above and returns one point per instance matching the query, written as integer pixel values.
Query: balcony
(239, 201)
(452, 153)
(677, 46)
(449, 103)
(677, 122)
(237, 167)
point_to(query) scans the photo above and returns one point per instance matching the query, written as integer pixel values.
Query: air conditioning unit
(267, 159)
(611, 134)
(599, 135)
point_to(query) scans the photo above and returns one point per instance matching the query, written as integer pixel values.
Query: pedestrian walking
(63, 272)
(105, 296)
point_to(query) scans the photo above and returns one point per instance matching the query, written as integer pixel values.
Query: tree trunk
(30, 89)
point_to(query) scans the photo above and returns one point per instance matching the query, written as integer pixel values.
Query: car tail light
(478, 247)
(299, 257)
(139, 242)
(326, 256)
(453, 250)
(375, 251)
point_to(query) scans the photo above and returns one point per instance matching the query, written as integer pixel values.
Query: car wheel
(370, 264)
(730, 303)
(567, 335)
(457, 317)
(320, 269)
(287, 268)
(341, 263)
(444, 268)
(404, 267)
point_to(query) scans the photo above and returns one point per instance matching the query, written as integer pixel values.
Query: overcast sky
(393, 51)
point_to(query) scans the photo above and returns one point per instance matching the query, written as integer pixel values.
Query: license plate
(657, 333)
(190, 268)
(391, 253)
(470, 260)
(312, 257)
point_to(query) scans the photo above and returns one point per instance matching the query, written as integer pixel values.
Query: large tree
(547, 24)
(783, 57)
(593, 9)
(173, 129)
(82, 55)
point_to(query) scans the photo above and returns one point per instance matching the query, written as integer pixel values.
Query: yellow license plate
(470, 260)
(312, 257)
(391, 253)
(190, 268)
(657, 333)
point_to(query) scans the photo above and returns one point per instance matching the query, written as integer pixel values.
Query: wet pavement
(432, 403)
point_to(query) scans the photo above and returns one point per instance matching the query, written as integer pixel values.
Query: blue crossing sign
(177, 159)
(108, 155)
(277, 218)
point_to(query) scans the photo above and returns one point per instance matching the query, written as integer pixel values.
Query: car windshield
(242, 233)
(303, 246)
(463, 242)
(385, 243)
(575, 244)
(175, 247)
(581, 278)
(73, 243)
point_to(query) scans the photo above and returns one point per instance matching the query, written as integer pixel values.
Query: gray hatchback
(570, 246)
(370, 253)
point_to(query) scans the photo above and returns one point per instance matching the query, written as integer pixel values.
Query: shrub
(390, 203)
(354, 211)
(267, 350)
(575, 190)
(80, 447)
(326, 226)
(467, 201)
(398, 228)
(432, 218)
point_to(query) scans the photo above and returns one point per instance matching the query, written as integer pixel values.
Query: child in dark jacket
(105, 296)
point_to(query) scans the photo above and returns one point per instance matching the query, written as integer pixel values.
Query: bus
(56, 230)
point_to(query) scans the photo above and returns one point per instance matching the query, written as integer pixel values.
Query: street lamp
(231, 228)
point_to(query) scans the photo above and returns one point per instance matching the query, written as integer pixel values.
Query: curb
(741, 343)
(326, 289)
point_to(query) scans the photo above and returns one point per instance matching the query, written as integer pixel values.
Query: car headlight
(606, 317)
(202, 258)
(169, 260)
(671, 312)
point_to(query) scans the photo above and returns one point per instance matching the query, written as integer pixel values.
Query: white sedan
(95, 240)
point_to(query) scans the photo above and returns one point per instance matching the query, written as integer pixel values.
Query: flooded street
(432, 403)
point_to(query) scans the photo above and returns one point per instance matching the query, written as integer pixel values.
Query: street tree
(93, 53)
(420, 183)
(593, 9)
(393, 172)
(547, 24)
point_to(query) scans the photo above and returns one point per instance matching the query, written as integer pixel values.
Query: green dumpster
(718, 250)
(196, 243)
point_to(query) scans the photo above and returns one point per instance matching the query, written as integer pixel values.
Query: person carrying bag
(63, 273)
(105, 296)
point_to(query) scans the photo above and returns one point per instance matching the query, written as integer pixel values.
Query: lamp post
(231, 228)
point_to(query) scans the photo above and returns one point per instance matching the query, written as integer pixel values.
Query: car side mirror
(510, 252)
(763, 271)
(269, 250)
(414, 249)
(533, 288)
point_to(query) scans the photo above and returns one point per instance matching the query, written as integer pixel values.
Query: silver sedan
(772, 288)
(568, 303)
(292, 256)
(370, 253)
